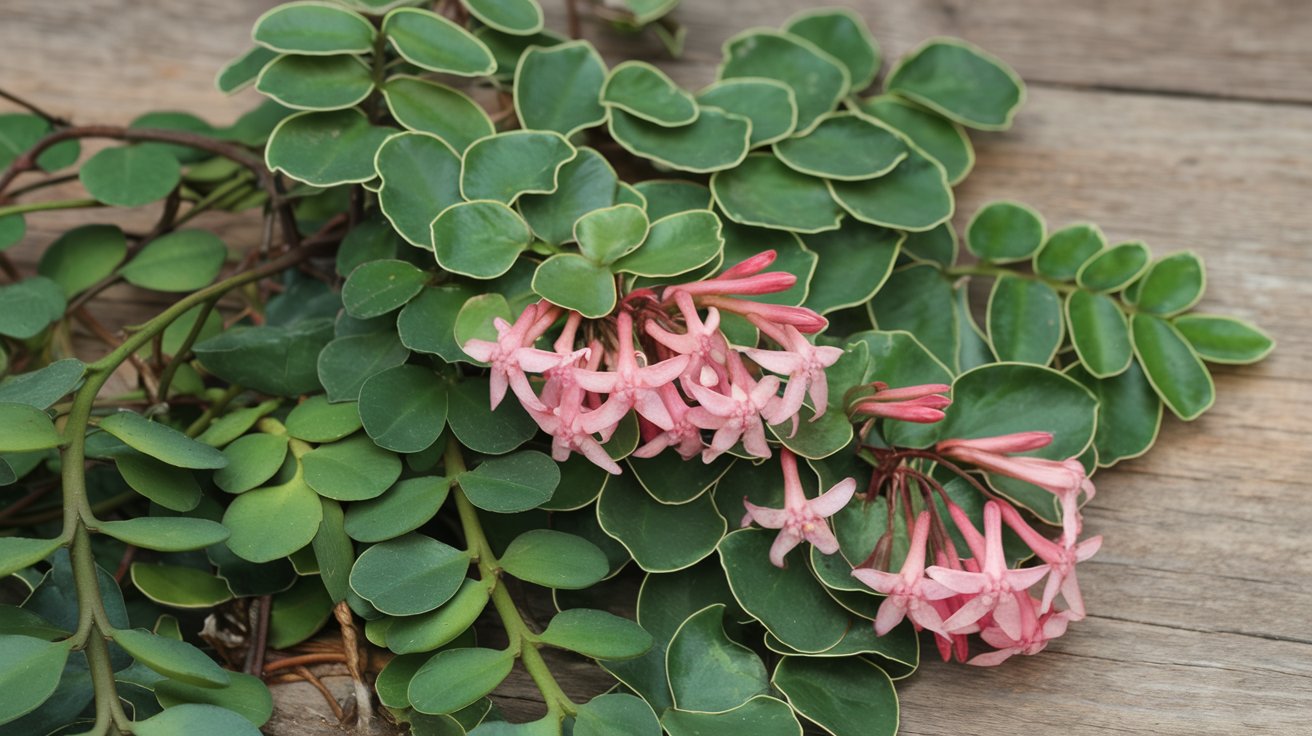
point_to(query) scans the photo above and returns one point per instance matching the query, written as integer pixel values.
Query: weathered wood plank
(1198, 621)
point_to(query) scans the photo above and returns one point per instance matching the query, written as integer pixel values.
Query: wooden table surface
(1186, 123)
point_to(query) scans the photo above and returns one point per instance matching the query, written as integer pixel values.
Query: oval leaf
(707, 670)
(268, 523)
(555, 560)
(644, 91)
(480, 239)
(172, 658)
(1172, 285)
(559, 88)
(166, 534)
(456, 678)
(763, 191)
(130, 176)
(325, 148)
(1224, 339)
(844, 147)
(185, 260)
(1024, 320)
(1173, 368)
(715, 140)
(818, 80)
(1114, 268)
(501, 167)
(1005, 232)
(915, 196)
(314, 28)
(432, 42)
(1099, 332)
(410, 575)
(161, 441)
(596, 634)
(960, 81)
(511, 484)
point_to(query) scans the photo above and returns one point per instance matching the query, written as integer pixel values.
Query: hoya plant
(526, 329)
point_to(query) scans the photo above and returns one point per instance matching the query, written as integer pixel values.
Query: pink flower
(800, 317)
(742, 278)
(702, 342)
(990, 588)
(737, 415)
(1060, 477)
(503, 354)
(923, 404)
(684, 436)
(800, 518)
(803, 363)
(630, 386)
(908, 591)
(1061, 559)
(566, 423)
(1035, 633)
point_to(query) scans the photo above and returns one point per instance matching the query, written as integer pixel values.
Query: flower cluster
(956, 596)
(664, 357)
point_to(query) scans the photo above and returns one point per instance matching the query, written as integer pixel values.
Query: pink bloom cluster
(662, 359)
(981, 594)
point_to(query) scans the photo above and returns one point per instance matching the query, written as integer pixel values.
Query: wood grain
(1182, 122)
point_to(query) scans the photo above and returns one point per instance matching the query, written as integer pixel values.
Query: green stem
(180, 355)
(78, 513)
(523, 641)
(228, 192)
(55, 204)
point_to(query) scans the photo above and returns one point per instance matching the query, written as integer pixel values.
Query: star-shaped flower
(503, 354)
(991, 588)
(701, 341)
(1035, 633)
(909, 592)
(800, 518)
(630, 386)
(684, 436)
(737, 415)
(1061, 558)
(803, 363)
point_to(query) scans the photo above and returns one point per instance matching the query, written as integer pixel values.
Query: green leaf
(585, 183)
(173, 488)
(508, 49)
(608, 234)
(403, 408)
(1099, 333)
(161, 441)
(268, 523)
(614, 713)
(1173, 368)
(130, 176)
(480, 239)
(918, 299)
(166, 534)
(246, 695)
(960, 81)
(316, 82)
(769, 104)
(1024, 320)
(716, 140)
(325, 149)
(477, 317)
(1224, 339)
(195, 720)
(420, 179)
(427, 323)
(1113, 269)
(27, 307)
(429, 107)
(275, 360)
(179, 587)
(184, 260)
(478, 427)
(316, 420)
(347, 362)
(676, 244)
(455, 678)
(642, 90)
(1172, 284)
(559, 87)
(660, 537)
(402, 508)
(1066, 250)
(252, 460)
(24, 428)
(1005, 232)
(845, 147)
(672, 480)
(30, 670)
(572, 281)
(708, 671)
(17, 553)
(518, 17)
(842, 34)
(555, 560)
(428, 631)
(511, 484)
(409, 575)
(1129, 413)
(818, 80)
(314, 28)
(432, 42)
(379, 287)
(242, 71)
(596, 634)
(353, 469)
(83, 256)
(915, 196)
(853, 262)
(501, 167)
(12, 230)
(789, 602)
(846, 696)
(760, 716)
(939, 138)
(172, 658)
(763, 191)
